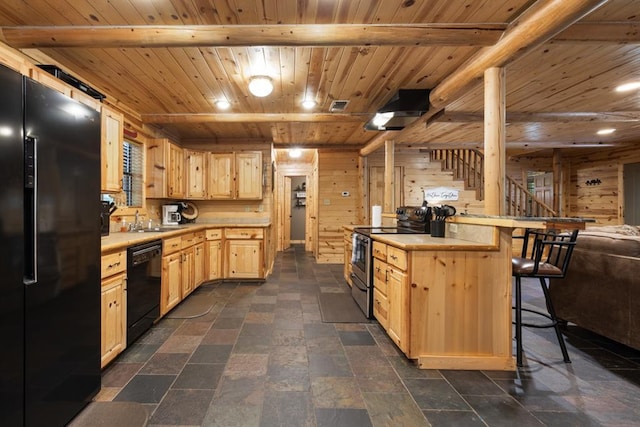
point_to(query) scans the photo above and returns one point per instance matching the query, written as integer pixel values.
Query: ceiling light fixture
(628, 86)
(608, 131)
(381, 119)
(308, 104)
(295, 153)
(223, 104)
(260, 86)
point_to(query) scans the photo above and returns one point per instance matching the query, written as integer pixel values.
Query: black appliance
(106, 209)
(70, 80)
(144, 267)
(49, 254)
(409, 220)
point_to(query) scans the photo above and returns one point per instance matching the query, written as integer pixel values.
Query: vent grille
(338, 106)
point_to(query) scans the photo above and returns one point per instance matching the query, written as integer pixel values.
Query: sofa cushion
(623, 230)
(609, 243)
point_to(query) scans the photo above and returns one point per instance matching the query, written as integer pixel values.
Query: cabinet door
(249, 175)
(157, 163)
(111, 151)
(112, 324)
(188, 270)
(244, 259)
(171, 282)
(199, 265)
(214, 260)
(176, 171)
(195, 168)
(398, 296)
(220, 183)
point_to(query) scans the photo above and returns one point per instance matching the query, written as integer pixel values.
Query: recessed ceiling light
(628, 86)
(223, 104)
(606, 131)
(308, 104)
(260, 86)
(295, 153)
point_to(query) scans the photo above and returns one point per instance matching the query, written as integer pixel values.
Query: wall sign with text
(440, 194)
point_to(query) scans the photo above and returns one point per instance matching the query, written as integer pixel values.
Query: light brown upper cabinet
(175, 177)
(157, 164)
(235, 176)
(111, 151)
(195, 162)
(165, 169)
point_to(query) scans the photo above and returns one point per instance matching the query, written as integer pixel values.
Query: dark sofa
(601, 291)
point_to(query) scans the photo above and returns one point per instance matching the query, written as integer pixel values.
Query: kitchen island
(446, 302)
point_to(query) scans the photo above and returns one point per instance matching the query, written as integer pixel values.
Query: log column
(389, 177)
(557, 180)
(494, 141)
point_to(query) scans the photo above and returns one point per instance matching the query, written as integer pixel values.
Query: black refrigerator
(49, 254)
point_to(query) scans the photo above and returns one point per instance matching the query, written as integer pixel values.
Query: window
(132, 173)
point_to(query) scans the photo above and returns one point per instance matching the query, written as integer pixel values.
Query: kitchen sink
(157, 229)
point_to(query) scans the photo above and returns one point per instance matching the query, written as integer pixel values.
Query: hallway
(263, 357)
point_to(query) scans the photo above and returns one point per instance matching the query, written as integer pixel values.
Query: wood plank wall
(603, 201)
(337, 173)
(419, 173)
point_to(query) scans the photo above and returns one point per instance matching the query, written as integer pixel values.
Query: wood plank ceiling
(170, 60)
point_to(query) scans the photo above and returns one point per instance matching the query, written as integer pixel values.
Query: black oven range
(409, 220)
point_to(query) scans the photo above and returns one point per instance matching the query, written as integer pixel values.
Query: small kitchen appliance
(171, 215)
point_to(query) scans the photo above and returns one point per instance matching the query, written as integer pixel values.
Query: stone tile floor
(263, 357)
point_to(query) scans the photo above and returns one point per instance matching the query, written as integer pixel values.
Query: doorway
(297, 214)
(631, 179)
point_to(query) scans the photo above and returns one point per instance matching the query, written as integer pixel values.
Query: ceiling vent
(338, 106)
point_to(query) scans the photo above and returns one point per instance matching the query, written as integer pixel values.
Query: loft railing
(468, 165)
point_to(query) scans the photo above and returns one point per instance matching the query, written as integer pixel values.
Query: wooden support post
(557, 181)
(389, 175)
(494, 141)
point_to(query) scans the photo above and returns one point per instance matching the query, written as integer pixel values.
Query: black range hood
(405, 107)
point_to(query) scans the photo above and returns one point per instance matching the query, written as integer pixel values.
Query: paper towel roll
(376, 216)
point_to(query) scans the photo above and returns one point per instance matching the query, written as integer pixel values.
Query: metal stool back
(545, 254)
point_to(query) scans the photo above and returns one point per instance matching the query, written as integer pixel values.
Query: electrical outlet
(247, 208)
(453, 228)
(327, 201)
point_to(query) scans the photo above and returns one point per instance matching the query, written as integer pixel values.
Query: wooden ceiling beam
(536, 25)
(328, 35)
(252, 118)
(445, 116)
(307, 35)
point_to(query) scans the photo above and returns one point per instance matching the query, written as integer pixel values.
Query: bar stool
(545, 254)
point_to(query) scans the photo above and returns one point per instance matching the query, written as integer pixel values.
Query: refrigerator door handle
(31, 210)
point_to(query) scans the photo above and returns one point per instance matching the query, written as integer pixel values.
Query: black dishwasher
(144, 267)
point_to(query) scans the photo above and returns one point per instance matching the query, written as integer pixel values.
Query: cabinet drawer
(379, 251)
(214, 234)
(243, 233)
(188, 240)
(199, 237)
(171, 245)
(381, 308)
(113, 263)
(397, 257)
(380, 276)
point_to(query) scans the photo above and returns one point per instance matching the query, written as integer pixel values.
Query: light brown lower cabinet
(391, 294)
(113, 306)
(243, 253)
(214, 254)
(171, 285)
(199, 265)
(188, 270)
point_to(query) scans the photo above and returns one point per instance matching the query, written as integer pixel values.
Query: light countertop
(117, 241)
(413, 242)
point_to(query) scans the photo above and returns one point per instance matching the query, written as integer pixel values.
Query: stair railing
(468, 165)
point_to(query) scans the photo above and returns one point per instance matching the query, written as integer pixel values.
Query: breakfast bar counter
(446, 302)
